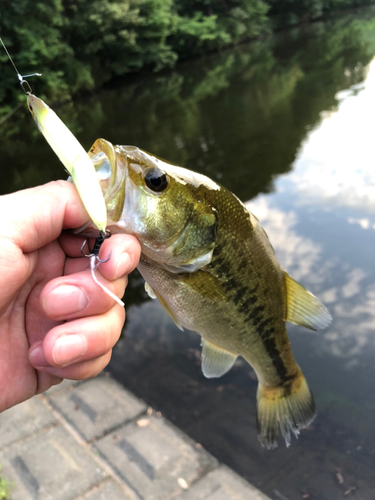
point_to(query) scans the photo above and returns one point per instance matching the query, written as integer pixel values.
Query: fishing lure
(79, 165)
(73, 157)
(77, 162)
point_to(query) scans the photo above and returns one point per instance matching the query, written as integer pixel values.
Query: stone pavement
(94, 440)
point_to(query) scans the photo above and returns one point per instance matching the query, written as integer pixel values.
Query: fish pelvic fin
(289, 407)
(215, 361)
(303, 308)
(150, 292)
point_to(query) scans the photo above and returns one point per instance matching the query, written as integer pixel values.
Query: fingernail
(65, 300)
(36, 357)
(124, 264)
(68, 349)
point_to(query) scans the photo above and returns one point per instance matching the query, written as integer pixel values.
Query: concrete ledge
(49, 465)
(222, 484)
(94, 440)
(24, 419)
(106, 491)
(154, 459)
(97, 406)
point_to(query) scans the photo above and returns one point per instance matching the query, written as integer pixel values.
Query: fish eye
(156, 180)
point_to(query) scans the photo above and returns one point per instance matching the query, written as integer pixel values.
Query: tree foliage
(212, 24)
(80, 44)
(290, 12)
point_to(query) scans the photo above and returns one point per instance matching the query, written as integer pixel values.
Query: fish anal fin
(215, 361)
(290, 407)
(168, 309)
(303, 308)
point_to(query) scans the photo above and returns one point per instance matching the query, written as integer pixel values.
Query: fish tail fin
(290, 406)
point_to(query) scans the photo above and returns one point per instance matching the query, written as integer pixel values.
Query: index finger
(36, 216)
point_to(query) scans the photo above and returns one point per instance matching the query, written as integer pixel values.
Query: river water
(288, 125)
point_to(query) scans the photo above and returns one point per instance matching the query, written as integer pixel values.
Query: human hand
(55, 321)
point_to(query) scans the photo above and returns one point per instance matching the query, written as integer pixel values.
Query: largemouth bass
(211, 265)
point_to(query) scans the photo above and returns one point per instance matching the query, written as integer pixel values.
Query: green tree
(289, 12)
(211, 24)
(118, 36)
(33, 32)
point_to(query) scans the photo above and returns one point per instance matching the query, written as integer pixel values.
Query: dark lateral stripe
(240, 294)
(262, 328)
(273, 352)
(245, 300)
(266, 333)
(230, 284)
(267, 336)
(254, 314)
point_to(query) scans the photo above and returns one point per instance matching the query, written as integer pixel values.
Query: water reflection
(333, 184)
(350, 301)
(239, 117)
(335, 164)
(298, 254)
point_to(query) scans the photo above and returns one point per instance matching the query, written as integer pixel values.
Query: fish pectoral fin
(204, 284)
(189, 267)
(150, 291)
(168, 309)
(303, 308)
(215, 361)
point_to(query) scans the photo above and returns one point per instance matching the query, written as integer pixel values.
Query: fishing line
(95, 261)
(24, 84)
(11, 60)
(93, 267)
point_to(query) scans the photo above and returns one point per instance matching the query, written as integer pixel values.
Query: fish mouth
(103, 156)
(111, 171)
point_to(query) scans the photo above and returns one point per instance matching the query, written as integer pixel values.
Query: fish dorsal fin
(215, 361)
(303, 308)
(166, 307)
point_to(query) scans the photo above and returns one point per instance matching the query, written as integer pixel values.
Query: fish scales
(252, 285)
(211, 265)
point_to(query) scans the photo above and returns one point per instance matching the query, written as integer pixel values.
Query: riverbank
(94, 440)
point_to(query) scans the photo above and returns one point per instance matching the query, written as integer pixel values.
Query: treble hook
(96, 248)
